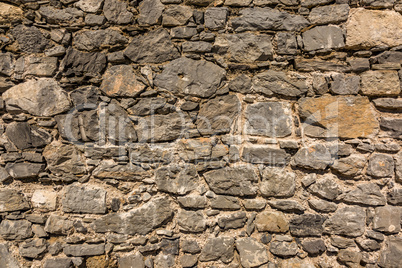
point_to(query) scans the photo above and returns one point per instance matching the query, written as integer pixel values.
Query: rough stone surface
(80, 199)
(220, 248)
(277, 183)
(323, 37)
(381, 165)
(365, 194)
(120, 80)
(116, 12)
(176, 179)
(387, 220)
(316, 156)
(380, 83)
(307, 225)
(329, 14)
(355, 218)
(271, 222)
(252, 253)
(99, 39)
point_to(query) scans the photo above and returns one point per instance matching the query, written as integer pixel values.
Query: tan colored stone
(338, 116)
(271, 221)
(369, 28)
(380, 83)
(10, 13)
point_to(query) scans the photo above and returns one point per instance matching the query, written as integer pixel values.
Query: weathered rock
(91, 6)
(338, 116)
(244, 47)
(198, 2)
(99, 39)
(77, 63)
(270, 119)
(329, 14)
(322, 205)
(350, 166)
(150, 12)
(36, 66)
(387, 220)
(193, 201)
(216, 17)
(345, 85)
(116, 12)
(232, 221)
(11, 200)
(33, 248)
(30, 39)
(176, 179)
(347, 221)
(349, 257)
(64, 158)
(275, 82)
(271, 221)
(241, 84)
(323, 37)
(108, 169)
(380, 83)
(283, 248)
(163, 49)
(238, 181)
(287, 206)
(217, 115)
(392, 125)
(264, 154)
(176, 15)
(225, 202)
(307, 225)
(60, 16)
(131, 261)
(45, 200)
(311, 65)
(120, 80)
(365, 194)
(24, 170)
(188, 260)
(190, 246)
(286, 43)
(191, 77)
(316, 156)
(140, 220)
(252, 253)
(368, 244)
(196, 47)
(277, 182)
(183, 32)
(220, 248)
(391, 256)
(7, 64)
(23, 136)
(15, 230)
(381, 165)
(314, 247)
(394, 197)
(58, 225)
(84, 250)
(10, 13)
(44, 97)
(388, 57)
(256, 19)
(81, 199)
(326, 187)
(388, 103)
(363, 26)
(342, 242)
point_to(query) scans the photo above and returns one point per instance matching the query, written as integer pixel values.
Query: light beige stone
(370, 28)
(10, 13)
(271, 221)
(380, 83)
(45, 200)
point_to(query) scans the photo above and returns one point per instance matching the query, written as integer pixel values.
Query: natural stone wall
(200, 133)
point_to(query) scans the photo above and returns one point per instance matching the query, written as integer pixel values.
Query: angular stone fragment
(36, 66)
(391, 256)
(388, 57)
(364, 25)
(108, 169)
(314, 247)
(277, 182)
(244, 47)
(193, 201)
(271, 221)
(163, 49)
(388, 103)
(274, 82)
(380, 83)
(311, 65)
(140, 220)
(365, 194)
(191, 221)
(176, 179)
(326, 187)
(394, 197)
(272, 119)
(80, 199)
(190, 77)
(10, 13)
(42, 97)
(176, 15)
(121, 81)
(307, 225)
(58, 225)
(225, 202)
(345, 85)
(219, 248)
(7, 64)
(287, 206)
(99, 39)
(316, 156)
(45, 200)
(286, 43)
(150, 12)
(381, 165)
(257, 19)
(33, 248)
(347, 221)
(329, 14)
(252, 253)
(387, 220)
(264, 154)
(30, 39)
(15, 230)
(60, 16)
(232, 221)
(283, 248)
(216, 17)
(350, 166)
(77, 63)
(24, 170)
(11, 200)
(237, 181)
(91, 6)
(116, 12)
(23, 136)
(6, 259)
(84, 250)
(323, 37)
(127, 261)
(217, 115)
(338, 116)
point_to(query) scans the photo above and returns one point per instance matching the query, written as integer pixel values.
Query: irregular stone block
(99, 39)
(10, 13)
(77, 63)
(326, 187)
(381, 165)
(365, 194)
(307, 225)
(219, 248)
(30, 39)
(252, 253)
(176, 179)
(271, 221)
(6, 259)
(24, 170)
(347, 221)
(84, 250)
(150, 12)
(316, 156)
(81, 199)
(323, 37)
(329, 14)
(390, 257)
(264, 154)
(11, 200)
(380, 83)
(216, 17)
(387, 220)
(116, 12)
(277, 182)
(120, 80)
(191, 221)
(176, 15)
(15, 230)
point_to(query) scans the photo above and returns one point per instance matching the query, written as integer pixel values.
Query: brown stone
(10, 13)
(342, 116)
(271, 221)
(121, 81)
(380, 83)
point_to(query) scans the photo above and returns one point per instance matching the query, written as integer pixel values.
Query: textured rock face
(380, 83)
(323, 37)
(353, 216)
(121, 81)
(82, 200)
(370, 28)
(10, 13)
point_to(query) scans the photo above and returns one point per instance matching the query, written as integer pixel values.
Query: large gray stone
(191, 221)
(176, 15)
(277, 182)
(30, 39)
(116, 12)
(6, 259)
(219, 248)
(91, 6)
(326, 187)
(347, 221)
(283, 248)
(323, 37)
(150, 12)
(391, 256)
(84, 250)
(42, 97)
(81, 199)
(237, 181)
(252, 253)
(77, 63)
(257, 19)
(121, 81)
(264, 154)
(23, 136)
(316, 156)
(33, 248)
(140, 220)
(350, 166)
(272, 119)
(24, 170)
(99, 39)
(232, 221)
(109, 169)
(387, 220)
(176, 179)
(7, 64)
(381, 165)
(58, 225)
(307, 225)
(162, 48)
(365, 194)
(275, 82)
(11, 200)
(329, 14)
(59, 16)
(190, 77)
(216, 18)
(15, 230)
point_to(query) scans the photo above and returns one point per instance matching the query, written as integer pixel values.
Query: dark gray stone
(176, 15)
(30, 39)
(81, 199)
(388, 57)
(176, 179)
(257, 19)
(121, 81)
(11, 200)
(394, 197)
(220, 248)
(277, 182)
(286, 43)
(287, 206)
(365, 194)
(215, 18)
(183, 32)
(241, 84)
(368, 244)
(191, 221)
(116, 12)
(99, 39)
(393, 125)
(381, 165)
(329, 14)
(264, 154)
(193, 201)
(347, 221)
(345, 84)
(232, 221)
(33, 248)
(191, 77)
(283, 248)
(323, 37)
(23, 136)
(163, 49)
(237, 181)
(84, 250)
(77, 63)
(391, 256)
(225, 202)
(190, 246)
(150, 12)
(314, 247)
(94, 20)
(196, 47)
(350, 166)
(326, 187)
(387, 220)
(322, 205)
(23, 170)
(307, 225)
(6, 259)
(252, 253)
(314, 157)
(15, 230)
(388, 103)
(7, 64)
(59, 225)
(60, 16)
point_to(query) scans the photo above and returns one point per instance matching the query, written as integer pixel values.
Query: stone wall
(200, 133)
